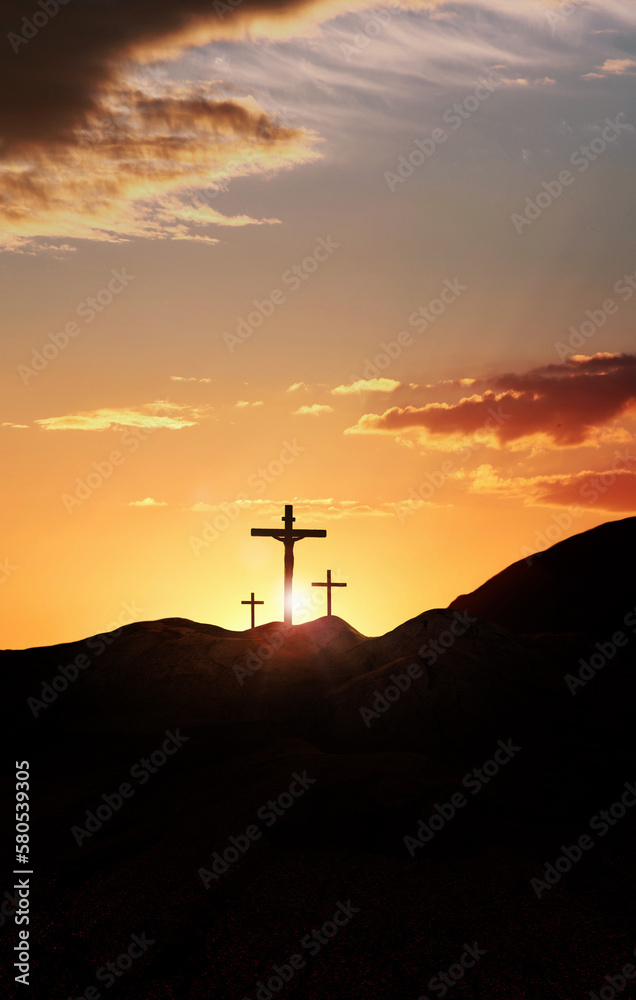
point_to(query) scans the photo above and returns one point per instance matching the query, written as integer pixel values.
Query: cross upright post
(252, 602)
(329, 584)
(288, 537)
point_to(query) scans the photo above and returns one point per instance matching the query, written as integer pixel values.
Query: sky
(378, 261)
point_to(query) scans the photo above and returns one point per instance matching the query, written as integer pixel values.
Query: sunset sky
(377, 261)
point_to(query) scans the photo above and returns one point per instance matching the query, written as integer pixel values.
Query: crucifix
(288, 537)
(252, 602)
(329, 584)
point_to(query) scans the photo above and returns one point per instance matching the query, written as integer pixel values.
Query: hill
(426, 776)
(582, 584)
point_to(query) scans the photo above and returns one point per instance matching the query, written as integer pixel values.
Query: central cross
(288, 536)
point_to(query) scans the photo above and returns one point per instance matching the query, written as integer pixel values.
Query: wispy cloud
(366, 385)
(314, 410)
(613, 67)
(608, 489)
(313, 509)
(92, 146)
(139, 174)
(148, 502)
(306, 386)
(169, 416)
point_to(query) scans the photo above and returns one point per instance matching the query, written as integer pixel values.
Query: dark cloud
(611, 490)
(136, 170)
(81, 151)
(565, 402)
(50, 83)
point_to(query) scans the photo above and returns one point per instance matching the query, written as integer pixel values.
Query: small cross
(252, 602)
(329, 584)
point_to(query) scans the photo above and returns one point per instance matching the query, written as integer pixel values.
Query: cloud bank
(565, 404)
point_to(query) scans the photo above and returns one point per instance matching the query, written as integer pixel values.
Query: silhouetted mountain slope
(153, 749)
(444, 685)
(584, 584)
(314, 678)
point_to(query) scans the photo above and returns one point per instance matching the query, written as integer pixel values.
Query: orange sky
(286, 264)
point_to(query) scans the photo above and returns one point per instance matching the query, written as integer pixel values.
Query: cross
(329, 584)
(288, 537)
(252, 602)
